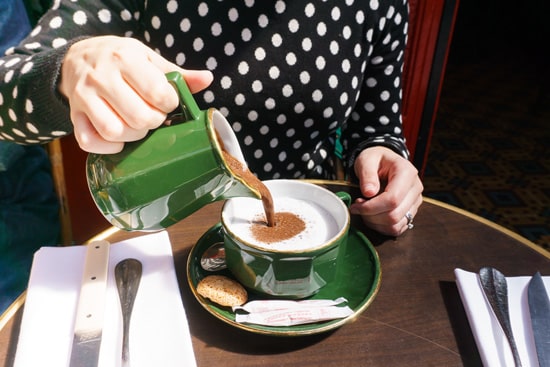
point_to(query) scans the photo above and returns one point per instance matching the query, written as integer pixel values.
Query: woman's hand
(117, 91)
(391, 189)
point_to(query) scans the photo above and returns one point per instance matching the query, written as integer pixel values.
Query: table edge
(14, 307)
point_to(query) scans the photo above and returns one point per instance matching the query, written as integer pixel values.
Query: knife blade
(91, 306)
(539, 309)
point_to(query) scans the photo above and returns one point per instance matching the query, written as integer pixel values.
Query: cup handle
(191, 110)
(345, 197)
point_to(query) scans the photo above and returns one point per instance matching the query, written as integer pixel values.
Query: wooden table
(417, 318)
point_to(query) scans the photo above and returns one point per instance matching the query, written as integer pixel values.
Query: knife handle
(91, 302)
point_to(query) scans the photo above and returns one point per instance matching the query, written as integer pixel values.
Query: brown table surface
(417, 318)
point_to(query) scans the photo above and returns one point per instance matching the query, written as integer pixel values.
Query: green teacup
(176, 170)
(297, 267)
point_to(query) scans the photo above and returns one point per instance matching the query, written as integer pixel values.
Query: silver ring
(410, 218)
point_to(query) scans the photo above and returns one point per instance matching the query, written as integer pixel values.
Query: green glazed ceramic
(357, 279)
(308, 262)
(176, 170)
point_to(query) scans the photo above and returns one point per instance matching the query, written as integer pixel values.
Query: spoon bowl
(213, 259)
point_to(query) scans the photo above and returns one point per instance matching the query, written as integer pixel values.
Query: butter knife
(539, 309)
(91, 306)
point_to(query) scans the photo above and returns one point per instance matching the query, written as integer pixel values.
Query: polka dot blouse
(291, 76)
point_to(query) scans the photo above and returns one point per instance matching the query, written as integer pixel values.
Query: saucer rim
(295, 330)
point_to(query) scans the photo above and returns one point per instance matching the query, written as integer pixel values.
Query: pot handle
(345, 197)
(191, 110)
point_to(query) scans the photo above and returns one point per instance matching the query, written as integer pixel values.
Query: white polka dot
(12, 62)
(305, 77)
(259, 54)
(268, 167)
(321, 29)
(243, 68)
(290, 133)
(309, 10)
(270, 103)
(263, 21)
(169, 40)
(328, 112)
(156, 22)
(299, 107)
(357, 50)
(233, 15)
(384, 120)
(208, 96)
(185, 25)
(346, 66)
(335, 13)
(36, 30)
(80, 18)
(264, 129)
(369, 107)
(273, 143)
(125, 15)
(344, 98)
(388, 70)
(59, 133)
(334, 47)
(257, 86)
(252, 115)
(293, 26)
(8, 76)
(198, 44)
(14, 92)
(280, 7)
(333, 81)
(32, 46)
(31, 128)
(371, 82)
(248, 140)
(291, 58)
(287, 90)
(104, 16)
(385, 95)
(180, 59)
(240, 99)
(258, 153)
(211, 63)
(172, 6)
(28, 106)
(56, 22)
(360, 17)
(229, 49)
(282, 157)
(246, 35)
(203, 9)
(306, 44)
(274, 72)
(225, 82)
(216, 29)
(1, 99)
(18, 132)
(59, 42)
(320, 62)
(276, 40)
(281, 119)
(374, 4)
(317, 95)
(12, 115)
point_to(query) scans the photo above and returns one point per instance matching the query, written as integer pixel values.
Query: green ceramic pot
(174, 171)
(301, 266)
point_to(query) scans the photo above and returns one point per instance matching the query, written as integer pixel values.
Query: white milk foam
(320, 224)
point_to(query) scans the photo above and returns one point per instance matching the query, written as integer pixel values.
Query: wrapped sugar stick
(295, 316)
(273, 305)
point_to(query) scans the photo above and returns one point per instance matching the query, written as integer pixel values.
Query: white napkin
(159, 333)
(491, 342)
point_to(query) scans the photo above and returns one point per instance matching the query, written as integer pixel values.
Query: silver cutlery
(539, 310)
(127, 277)
(495, 288)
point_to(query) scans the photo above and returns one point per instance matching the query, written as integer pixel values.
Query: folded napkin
(159, 333)
(490, 339)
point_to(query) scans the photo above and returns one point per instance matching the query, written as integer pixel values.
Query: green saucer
(357, 279)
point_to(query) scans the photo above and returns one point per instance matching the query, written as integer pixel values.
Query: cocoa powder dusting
(287, 225)
(244, 173)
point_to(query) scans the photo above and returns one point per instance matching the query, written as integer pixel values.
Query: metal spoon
(495, 288)
(213, 259)
(127, 277)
